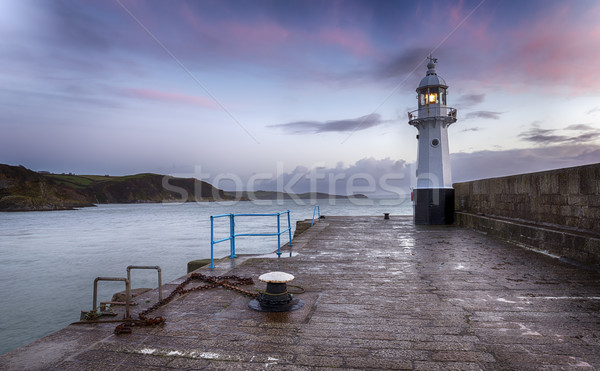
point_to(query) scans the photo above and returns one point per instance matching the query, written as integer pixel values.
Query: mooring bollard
(386, 215)
(276, 298)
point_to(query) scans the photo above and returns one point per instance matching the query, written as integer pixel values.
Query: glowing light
(432, 98)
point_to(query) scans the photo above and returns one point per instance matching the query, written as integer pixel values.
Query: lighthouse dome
(432, 78)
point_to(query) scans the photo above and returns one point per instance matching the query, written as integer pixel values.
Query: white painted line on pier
(505, 301)
(180, 353)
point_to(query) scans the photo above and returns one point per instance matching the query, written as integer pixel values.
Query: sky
(295, 94)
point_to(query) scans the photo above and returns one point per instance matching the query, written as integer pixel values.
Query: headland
(22, 189)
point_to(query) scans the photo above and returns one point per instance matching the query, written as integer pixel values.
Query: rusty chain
(229, 282)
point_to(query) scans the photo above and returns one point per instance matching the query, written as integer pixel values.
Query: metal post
(94, 307)
(278, 235)
(212, 243)
(317, 212)
(129, 268)
(159, 284)
(232, 235)
(289, 229)
(127, 292)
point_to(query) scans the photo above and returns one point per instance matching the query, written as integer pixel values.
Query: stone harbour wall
(301, 226)
(557, 211)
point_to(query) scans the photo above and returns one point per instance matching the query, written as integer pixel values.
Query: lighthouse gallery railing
(233, 235)
(449, 111)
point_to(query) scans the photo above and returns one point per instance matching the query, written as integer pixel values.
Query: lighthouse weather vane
(431, 59)
(433, 194)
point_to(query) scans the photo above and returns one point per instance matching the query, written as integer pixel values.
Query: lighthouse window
(432, 98)
(435, 142)
(443, 95)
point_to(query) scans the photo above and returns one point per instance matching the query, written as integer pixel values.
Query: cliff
(24, 190)
(141, 188)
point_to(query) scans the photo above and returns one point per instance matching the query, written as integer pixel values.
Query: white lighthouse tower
(433, 195)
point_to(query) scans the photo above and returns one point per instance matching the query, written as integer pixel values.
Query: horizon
(290, 89)
(311, 182)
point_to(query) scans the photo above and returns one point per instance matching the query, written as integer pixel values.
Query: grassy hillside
(22, 189)
(139, 188)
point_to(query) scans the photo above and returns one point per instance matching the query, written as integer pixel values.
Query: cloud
(353, 40)
(579, 127)
(490, 164)
(77, 26)
(170, 97)
(546, 45)
(593, 110)
(483, 115)
(470, 99)
(389, 177)
(542, 47)
(471, 129)
(340, 126)
(543, 136)
(403, 70)
(586, 137)
(402, 64)
(385, 177)
(552, 136)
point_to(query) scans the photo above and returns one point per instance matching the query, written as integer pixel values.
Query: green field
(84, 181)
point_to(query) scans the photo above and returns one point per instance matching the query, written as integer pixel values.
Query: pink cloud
(557, 49)
(355, 41)
(474, 31)
(170, 97)
(233, 37)
(263, 35)
(457, 12)
(561, 48)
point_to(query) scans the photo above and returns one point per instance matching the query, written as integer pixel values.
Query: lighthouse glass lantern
(433, 195)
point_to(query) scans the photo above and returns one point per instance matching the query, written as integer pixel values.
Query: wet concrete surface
(380, 294)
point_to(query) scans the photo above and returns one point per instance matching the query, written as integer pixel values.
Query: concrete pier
(382, 294)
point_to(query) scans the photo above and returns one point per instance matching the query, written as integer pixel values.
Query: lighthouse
(433, 195)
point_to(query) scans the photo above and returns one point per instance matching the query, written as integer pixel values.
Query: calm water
(49, 260)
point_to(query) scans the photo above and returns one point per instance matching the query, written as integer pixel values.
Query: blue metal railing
(233, 235)
(316, 210)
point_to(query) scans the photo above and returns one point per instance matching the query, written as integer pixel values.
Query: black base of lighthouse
(434, 206)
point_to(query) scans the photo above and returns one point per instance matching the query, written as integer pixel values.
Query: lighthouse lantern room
(433, 195)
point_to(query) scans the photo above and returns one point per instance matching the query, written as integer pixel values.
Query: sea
(49, 259)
